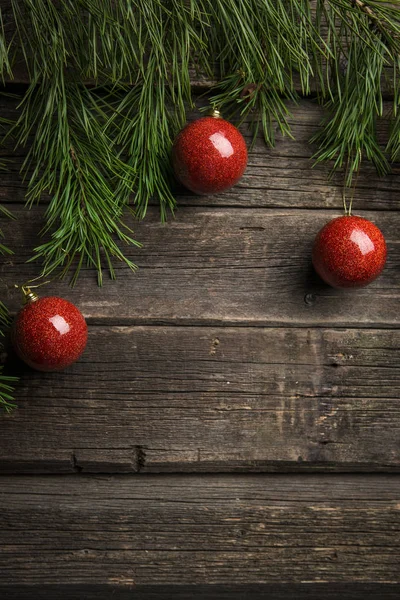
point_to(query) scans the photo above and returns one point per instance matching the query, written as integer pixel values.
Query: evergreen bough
(110, 84)
(6, 381)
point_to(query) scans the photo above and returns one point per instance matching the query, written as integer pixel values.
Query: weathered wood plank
(221, 266)
(276, 591)
(127, 531)
(154, 399)
(282, 176)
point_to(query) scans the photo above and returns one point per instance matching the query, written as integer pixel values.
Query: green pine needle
(5, 70)
(365, 41)
(6, 389)
(6, 392)
(96, 149)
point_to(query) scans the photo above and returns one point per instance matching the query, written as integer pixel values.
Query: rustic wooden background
(232, 430)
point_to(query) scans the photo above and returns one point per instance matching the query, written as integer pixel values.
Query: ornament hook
(26, 289)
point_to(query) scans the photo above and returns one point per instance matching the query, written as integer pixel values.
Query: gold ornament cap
(28, 295)
(215, 113)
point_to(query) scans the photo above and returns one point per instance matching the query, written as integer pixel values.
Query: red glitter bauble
(49, 333)
(349, 252)
(209, 155)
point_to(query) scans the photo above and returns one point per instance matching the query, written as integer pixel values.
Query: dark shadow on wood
(286, 591)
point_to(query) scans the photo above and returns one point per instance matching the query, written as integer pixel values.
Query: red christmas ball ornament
(49, 333)
(209, 155)
(349, 251)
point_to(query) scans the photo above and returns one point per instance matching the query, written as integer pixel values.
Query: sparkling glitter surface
(49, 334)
(209, 155)
(349, 252)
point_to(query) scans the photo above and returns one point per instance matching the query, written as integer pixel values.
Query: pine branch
(5, 69)
(393, 146)
(365, 37)
(80, 171)
(74, 155)
(4, 249)
(148, 116)
(6, 381)
(92, 151)
(71, 156)
(280, 40)
(144, 129)
(6, 391)
(5, 65)
(5, 125)
(349, 131)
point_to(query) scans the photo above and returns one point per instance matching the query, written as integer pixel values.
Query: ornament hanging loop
(26, 289)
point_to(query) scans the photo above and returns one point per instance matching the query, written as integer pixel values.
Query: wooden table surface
(232, 430)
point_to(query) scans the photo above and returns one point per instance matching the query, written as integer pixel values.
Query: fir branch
(393, 145)
(349, 131)
(73, 160)
(282, 41)
(4, 249)
(6, 391)
(5, 125)
(6, 381)
(365, 38)
(5, 69)
(5, 65)
(71, 156)
(148, 116)
(144, 131)
(91, 151)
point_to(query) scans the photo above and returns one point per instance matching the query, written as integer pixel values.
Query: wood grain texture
(212, 399)
(224, 353)
(243, 530)
(279, 177)
(276, 591)
(214, 266)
